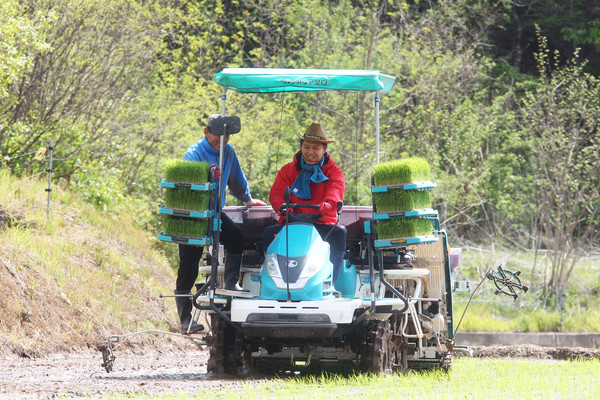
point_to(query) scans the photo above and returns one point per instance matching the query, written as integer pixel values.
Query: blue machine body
(309, 271)
(346, 280)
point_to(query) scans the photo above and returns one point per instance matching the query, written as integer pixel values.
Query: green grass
(401, 200)
(534, 311)
(94, 272)
(480, 317)
(186, 171)
(406, 227)
(412, 169)
(469, 379)
(185, 226)
(498, 314)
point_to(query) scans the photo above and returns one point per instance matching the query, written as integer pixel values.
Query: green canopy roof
(271, 80)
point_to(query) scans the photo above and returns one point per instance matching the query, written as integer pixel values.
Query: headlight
(313, 263)
(272, 265)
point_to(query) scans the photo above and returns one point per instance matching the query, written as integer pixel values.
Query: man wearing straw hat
(313, 178)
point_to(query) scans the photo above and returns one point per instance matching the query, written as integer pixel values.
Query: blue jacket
(232, 172)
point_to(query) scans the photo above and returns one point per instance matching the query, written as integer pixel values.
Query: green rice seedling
(400, 200)
(186, 171)
(184, 226)
(406, 170)
(187, 199)
(405, 227)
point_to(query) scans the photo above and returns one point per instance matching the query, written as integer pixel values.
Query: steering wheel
(295, 217)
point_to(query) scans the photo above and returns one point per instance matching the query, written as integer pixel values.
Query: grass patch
(469, 379)
(536, 310)
(482, 318)
(94, 273)
(406, 170)
(185, 226)
(401, 200)
(406, 227)
(186, 171)
(489, 313)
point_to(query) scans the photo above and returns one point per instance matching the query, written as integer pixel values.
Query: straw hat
(315, 133)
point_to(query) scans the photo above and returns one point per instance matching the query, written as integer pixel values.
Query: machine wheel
(378, 357)
(241, 367)
(216, 341)
(398, 345)
(446, 362)
(227, 352)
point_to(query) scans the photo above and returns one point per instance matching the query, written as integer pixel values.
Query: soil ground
(177, 367)
(157, 371)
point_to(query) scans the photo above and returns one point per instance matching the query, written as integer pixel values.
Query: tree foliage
(120, 85)
(561, 116)
(99, 55)
(568, 26)
(20, 39)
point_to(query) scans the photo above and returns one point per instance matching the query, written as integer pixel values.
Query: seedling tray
(189, 185)
(426, 212)
(400, 242)
(425, 185)
(203, 241)
(179, 212)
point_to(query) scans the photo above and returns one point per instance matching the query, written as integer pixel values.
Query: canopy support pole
(217, 219)
(217, 227)
(377, 101)
(223, 98)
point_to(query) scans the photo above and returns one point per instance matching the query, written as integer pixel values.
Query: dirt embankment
(538, 352)
(75, 282)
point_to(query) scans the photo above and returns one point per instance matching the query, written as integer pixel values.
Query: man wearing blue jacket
(231, 235)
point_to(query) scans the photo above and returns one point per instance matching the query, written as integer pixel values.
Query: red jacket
(330, 190)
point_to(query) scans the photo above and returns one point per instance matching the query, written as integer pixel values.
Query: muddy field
(156, 371)
(164, 369)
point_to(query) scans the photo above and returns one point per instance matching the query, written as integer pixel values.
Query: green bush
(481, 317)
(540, 321)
